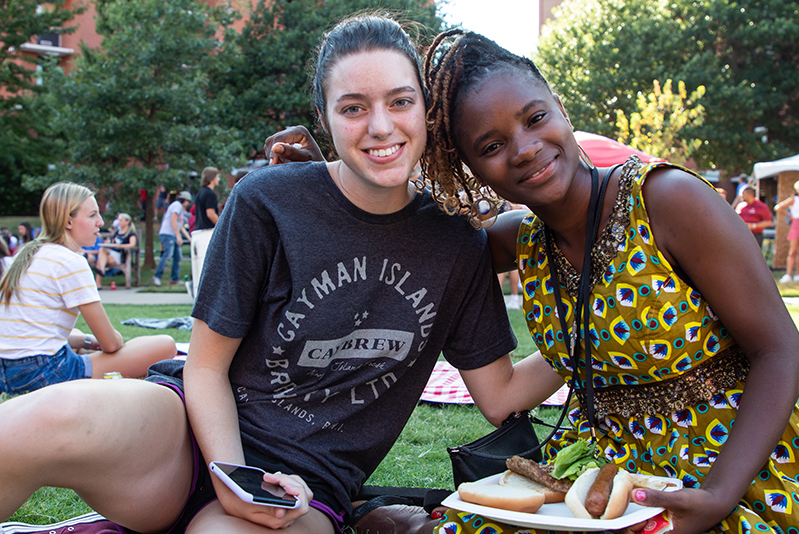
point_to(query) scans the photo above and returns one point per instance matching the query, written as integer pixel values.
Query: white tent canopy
(764, 169)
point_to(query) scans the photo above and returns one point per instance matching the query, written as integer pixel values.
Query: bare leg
(792, 254)
(122, 445)
(213, 520)
(102, 261)
(135, 356)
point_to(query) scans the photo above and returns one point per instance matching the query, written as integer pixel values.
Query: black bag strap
(582, 309)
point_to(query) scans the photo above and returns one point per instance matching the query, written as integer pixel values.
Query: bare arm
(177, 228)
(109, 339)
(502, 236)
(783, 206)
(130, 244)
(711, 247)
(502, 388)
(212, 215)
(214, 419)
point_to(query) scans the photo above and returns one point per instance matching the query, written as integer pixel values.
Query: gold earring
(483, 214)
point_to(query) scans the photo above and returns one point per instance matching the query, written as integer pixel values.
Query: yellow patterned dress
(667, 373)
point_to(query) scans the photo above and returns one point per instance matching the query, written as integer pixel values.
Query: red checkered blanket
(446, 386)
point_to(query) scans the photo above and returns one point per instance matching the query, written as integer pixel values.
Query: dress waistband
(717, 374)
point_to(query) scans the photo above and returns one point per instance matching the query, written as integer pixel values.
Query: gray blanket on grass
(181, 323)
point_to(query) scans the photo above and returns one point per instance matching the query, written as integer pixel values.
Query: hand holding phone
(248, 484)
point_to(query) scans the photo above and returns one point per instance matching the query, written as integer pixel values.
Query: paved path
(134, 296)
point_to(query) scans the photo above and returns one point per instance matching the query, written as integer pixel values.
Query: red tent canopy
(605, 152)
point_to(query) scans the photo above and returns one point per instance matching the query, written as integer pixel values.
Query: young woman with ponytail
(48, 285)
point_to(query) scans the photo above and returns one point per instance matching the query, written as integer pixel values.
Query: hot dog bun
(617, 503)
(503, 497)
(651, 482)
(515, 480)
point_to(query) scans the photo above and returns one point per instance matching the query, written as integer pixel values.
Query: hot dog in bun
(600, 493)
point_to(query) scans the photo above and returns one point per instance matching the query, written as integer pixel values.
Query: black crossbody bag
(486, 456)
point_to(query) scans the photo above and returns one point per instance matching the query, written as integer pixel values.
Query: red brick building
(66, 47)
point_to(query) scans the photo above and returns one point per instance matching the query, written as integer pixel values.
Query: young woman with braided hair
(677, 357)
(663, 317)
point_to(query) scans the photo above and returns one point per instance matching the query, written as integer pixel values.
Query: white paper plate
(553, 516)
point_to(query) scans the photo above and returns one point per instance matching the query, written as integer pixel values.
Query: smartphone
(248, 483)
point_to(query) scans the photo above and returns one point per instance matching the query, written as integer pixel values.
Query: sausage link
(537, 472)
(596, 500)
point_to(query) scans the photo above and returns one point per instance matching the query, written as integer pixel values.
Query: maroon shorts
(202, 490)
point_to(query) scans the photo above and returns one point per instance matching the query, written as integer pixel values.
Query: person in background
(316, 331)
(206, 213)
(9, 238)
(48, 285)
(790, 206)
(143, 204)
(161, 202)
(754, 212)
(5, 256)
(171, 235)
(25, 233)
(91, 253)
(114, 254)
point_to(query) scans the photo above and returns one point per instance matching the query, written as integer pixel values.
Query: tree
(138, 113)
(662, 114)
(24, 148)
(600, 53)
(266, 73)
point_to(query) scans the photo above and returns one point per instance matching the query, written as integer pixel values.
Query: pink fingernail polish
(639, 495)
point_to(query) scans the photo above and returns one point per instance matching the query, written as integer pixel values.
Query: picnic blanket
(181, 323)
(446, 387)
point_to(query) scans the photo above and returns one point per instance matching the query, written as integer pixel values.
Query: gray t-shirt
(343, 315)
(166, 223)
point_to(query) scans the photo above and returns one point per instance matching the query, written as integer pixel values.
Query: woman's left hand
(690, 510)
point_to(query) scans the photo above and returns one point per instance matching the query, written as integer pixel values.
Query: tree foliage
(600, 53)
(24, 147)
(138, 113)
(266, 72)
(656, 126)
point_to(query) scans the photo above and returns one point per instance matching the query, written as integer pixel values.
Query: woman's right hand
(294, 144)
(268, 516)
(691, 511)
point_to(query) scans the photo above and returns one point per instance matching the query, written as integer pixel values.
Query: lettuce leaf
(573, 460)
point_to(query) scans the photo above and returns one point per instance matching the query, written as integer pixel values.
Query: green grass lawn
(418, 459)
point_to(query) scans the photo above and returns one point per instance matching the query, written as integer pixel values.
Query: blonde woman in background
(43, 292)
(114, 254)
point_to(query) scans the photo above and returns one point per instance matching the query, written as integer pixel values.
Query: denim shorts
(35, 372)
